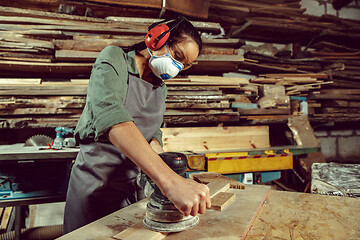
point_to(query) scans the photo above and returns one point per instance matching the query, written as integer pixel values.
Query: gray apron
(103, 179)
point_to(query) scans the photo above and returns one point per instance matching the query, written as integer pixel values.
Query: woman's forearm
(156, 146)
(187, 195)
(129, 140)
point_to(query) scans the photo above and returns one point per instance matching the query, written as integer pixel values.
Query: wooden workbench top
(285, 215)
(289, 215)
(19, 152)
(230, 223)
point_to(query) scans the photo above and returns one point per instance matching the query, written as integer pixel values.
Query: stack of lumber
(41, 44)
(308, 45)
(295, 84)
(34, 103)
(337, 104)
(204, 99)
(235, 11)
(271, 23)
(313, 57)
(39, 102)
(104, 8)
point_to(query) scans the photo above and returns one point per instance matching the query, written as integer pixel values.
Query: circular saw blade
(38, 140)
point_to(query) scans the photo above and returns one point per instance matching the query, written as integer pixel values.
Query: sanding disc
(185, 224)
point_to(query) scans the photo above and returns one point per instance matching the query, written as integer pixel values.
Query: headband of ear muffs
(159, 33)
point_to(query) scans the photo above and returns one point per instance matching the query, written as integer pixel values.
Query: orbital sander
(161, 214)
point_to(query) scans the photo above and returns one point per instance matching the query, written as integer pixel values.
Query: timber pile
(105, 8)
(35, 103)
(42, 103)
(59, 47)
(294, 42)
(38, 44)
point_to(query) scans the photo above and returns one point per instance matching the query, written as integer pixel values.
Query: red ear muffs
(157, 37)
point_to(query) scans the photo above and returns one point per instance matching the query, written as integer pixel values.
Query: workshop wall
(341, 145)
(321, 7)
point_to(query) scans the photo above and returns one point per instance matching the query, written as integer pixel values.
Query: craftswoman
(119, 129)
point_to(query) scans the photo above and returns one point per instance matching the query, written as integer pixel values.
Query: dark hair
(182, 31)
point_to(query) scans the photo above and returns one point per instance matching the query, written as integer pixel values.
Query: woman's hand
(188, 196)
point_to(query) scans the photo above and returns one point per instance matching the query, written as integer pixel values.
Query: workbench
(30, 176)
(283, 215)
(34, 176)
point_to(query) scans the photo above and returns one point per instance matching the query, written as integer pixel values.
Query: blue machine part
(258, 177)
(270, 176)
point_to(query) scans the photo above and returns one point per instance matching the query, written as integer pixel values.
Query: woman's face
(185, 52)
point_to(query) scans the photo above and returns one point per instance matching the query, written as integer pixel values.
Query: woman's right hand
(188, 196)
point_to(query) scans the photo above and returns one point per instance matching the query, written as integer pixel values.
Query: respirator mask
(165, 66)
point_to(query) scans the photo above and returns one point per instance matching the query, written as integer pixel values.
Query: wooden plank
(75, 56)
(199, 119)
(207, 177)
(40, 89)
(30, 111)
(188, 105)
(334, 96)
(341, 91)
(215, 138)
(12, 102)
(221, 200)
(48, 68)
(187, 112)
(102, 12)
(200, 9)
(6, 217)
(216, 187)
(139, 231)
(1, 212)
(341, 103)
(16, 81)
(219, 80)
(262, 111)
(197, 93)
(311, 75)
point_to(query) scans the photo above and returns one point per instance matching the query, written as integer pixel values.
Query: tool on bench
(59, 140)
(161, 214)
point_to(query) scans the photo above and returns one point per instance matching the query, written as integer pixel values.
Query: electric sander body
(161, 214)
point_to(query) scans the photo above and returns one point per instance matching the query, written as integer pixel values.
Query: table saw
(31, 176)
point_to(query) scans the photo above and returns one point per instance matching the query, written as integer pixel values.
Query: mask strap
(167, 51)
(149, 52)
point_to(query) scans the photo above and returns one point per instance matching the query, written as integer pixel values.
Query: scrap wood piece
(198, 139)
(221, 200)
(207, 177)
(139, 231)
(216, 187)
(5, 218)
